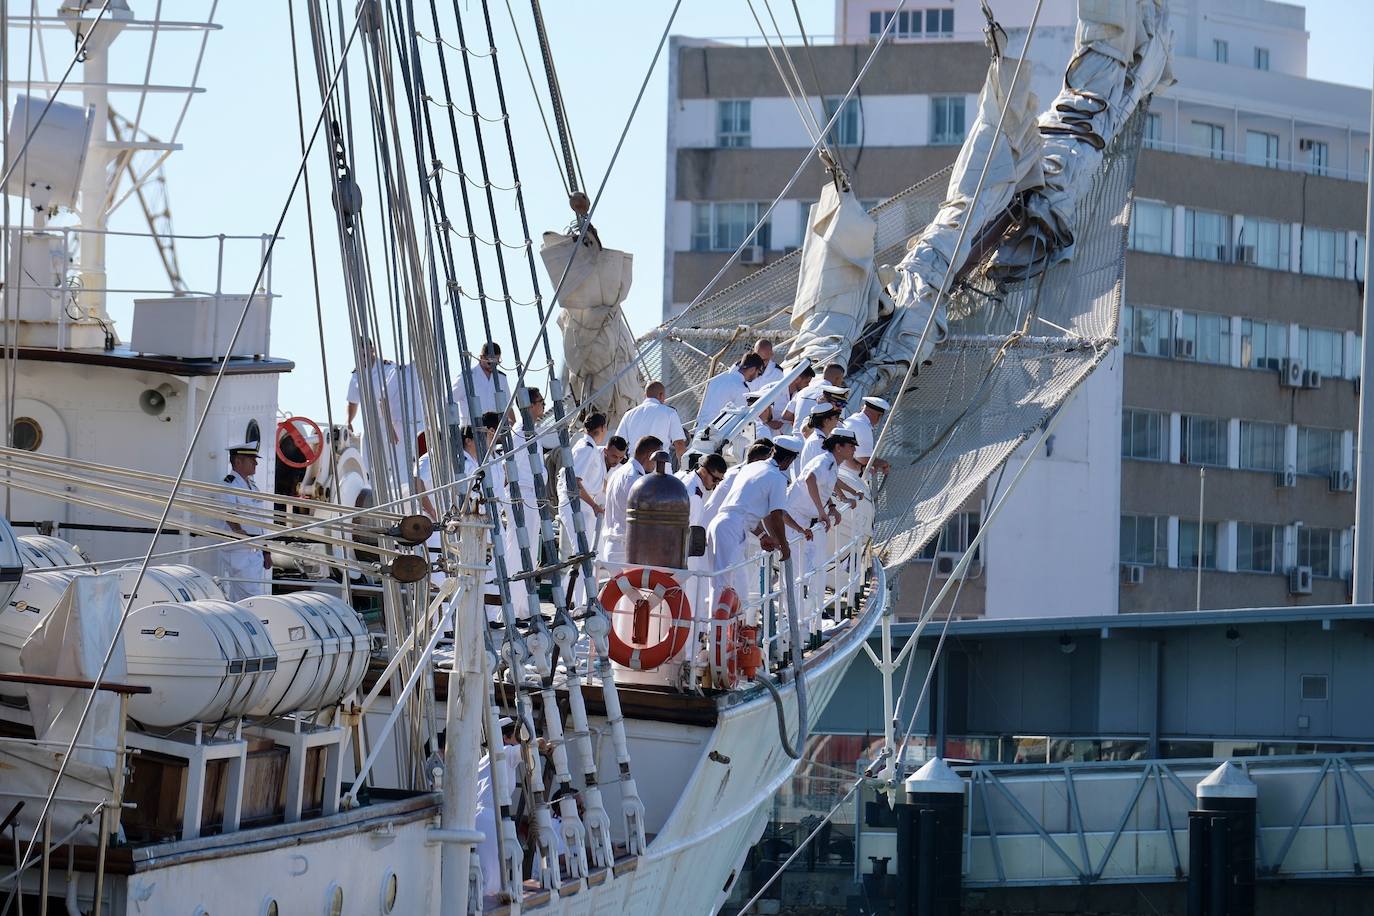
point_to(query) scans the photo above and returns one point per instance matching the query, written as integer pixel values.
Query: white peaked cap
(878, 404)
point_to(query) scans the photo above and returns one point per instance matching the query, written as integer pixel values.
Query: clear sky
(241, 145)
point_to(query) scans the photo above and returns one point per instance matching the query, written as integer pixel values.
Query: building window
(1261, 58)
(1320, 548)
(724, 226)
(1318, 156)
(1154, 130)
(1205, 338)
(1190, 550)
(946, 119)
(1206, 235)
(1202, 441)
(1144, 435)
(1263, 344)
(1359, 256)
(1152, 227)
(846, 130)
(939, 23)
(1258, 548)
(1261, 446)
(1322, 350)
(1263, 243)
(955, 536)
(732, 122)
(1262, 148)
(1323, 252)
(1319, 451)
(1221, 51)
(1144, 540)
(1147, 331)
(1209, 140)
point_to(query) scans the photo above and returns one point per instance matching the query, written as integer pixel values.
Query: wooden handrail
(48, 680)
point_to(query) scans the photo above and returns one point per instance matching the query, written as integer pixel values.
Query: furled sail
(1012, 161)
(1121, 55)
(835, 296)
(597, 342)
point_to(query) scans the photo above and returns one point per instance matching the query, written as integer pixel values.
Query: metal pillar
(930, 842)
(1221, 845)
(1362, 575)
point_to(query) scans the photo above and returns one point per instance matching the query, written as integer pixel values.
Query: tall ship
(550, 634)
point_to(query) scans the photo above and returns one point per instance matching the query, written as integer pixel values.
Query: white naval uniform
(802, 402)
(810, 449)
(651, 417)
(492, 393)
(760, 488)
(698, 590)
(406, 404)
(589, 467)
(240, 568)
(800, 506)
(380, 377)
(768, 378)
(722, 490)
(728, 389)
(611, 550)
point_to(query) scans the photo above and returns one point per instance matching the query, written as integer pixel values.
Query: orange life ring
(725, 641)
(293, 432)
(647, 588)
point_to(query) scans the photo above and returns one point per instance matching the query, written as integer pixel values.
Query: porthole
(390, 888)
(334, 901)
(252, 432)
(27, 434)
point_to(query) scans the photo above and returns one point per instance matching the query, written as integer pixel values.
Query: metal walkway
(1127, 822)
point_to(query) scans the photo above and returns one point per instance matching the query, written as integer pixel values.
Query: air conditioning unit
(945, 563)
(1300, 580)
(1245, 254)
(1288, 478)
(1341, 482)
(751, 254)
(1290, 373)
(1311, 378)
(1184, 348)
(1132, 574)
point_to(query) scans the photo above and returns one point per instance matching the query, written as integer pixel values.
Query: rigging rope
(185, 464)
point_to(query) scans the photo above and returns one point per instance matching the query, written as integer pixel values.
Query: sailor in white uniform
(799, 408)
(728, 389)
(378, 373)
(709, 472)
(243, 571)
(864, 425)
(766, 381)
(652, 417)
(824, 419)
(757, 497)
(611, 550)
(589, 467)
(489, 385)
(810, 505)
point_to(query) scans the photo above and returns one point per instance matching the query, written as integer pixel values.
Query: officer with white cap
(243, 571)
(864, 425)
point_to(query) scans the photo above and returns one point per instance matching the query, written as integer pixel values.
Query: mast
(1362, 572)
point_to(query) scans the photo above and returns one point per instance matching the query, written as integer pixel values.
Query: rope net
(1014, 355)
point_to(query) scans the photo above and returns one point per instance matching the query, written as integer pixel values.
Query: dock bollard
(930, 842)
(1221, 845)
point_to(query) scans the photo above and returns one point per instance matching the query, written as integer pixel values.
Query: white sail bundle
(835, 296)
(1012, 159)
(1121, 55)
(597, 343)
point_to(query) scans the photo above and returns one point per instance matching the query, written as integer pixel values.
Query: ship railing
(826, 590)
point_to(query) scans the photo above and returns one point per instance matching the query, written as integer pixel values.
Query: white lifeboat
(36, 595)
(42, 551)
(204, 660)
(323, 650)
(167, 583)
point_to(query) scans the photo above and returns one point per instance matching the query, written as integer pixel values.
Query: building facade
(1210, 462)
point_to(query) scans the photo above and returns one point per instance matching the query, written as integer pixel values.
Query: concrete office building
(1240, 334)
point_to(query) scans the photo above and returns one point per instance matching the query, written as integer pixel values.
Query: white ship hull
(709, 792)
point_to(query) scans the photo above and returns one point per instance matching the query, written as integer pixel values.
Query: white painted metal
(200, 327)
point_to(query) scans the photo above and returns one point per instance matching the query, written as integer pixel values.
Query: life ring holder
(293, 432)
(726, 627)
(646, 588)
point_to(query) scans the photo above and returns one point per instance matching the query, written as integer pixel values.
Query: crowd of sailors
(780, 484)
